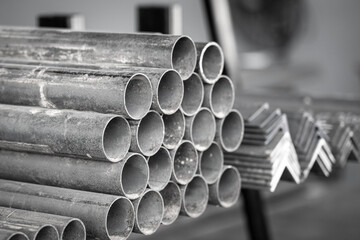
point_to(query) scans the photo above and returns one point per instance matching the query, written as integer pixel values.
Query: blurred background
(281, 49)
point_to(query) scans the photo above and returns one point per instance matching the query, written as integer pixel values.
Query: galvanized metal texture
(160, 169)
(171, 195)
(193, 95)
(12, 235)
(105, 216)
(34, 230)
(211, 163)
(174, 129)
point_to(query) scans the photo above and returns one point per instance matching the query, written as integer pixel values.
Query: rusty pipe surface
(105, 216)
(34, 230)
(193, 95)
(171, 195)
(211, 162)
(174, 129)
(210, 61)
(220, 96)
(12, 235)
(147, 134)
(64, 132)
(160, 169)
(104, 91)
(195, 197)
(185, 159)
(200, 129)
(149, 211)
(230, 131)
(67, 227)
(144, 50)
(128, 177)
(225, 192)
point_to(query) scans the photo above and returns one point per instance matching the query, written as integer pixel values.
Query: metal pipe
(144, 50)
(226, 190)
(105, 91)
(12, 235)
(211, 162)
(210, 61)
(105, 216)
(149, 211)
(174, 129)
(171, 195)
(67, 227)
(193, 95)
(220, 96)
(34, 230)
(129, 177)
(185, 159)
(230, 131)
(195, 197)
(147, 134)
(160, 169)
(200, 129)
(64, 132)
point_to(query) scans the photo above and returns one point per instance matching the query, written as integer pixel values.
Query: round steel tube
(195, 197)
(104, 91)
(230, 131)
(185, 159)
(67, 227)
(128, 177)
(147, 134)
(64, 132)
(149, 211)
(211, 162)
(210, 61)
(105, 216)
(144, 50)
(193, 95)
(34, 230)
(171, 195)
(174, 129)
(12, 235)
(225, 192)
(200, 129)
(160, 169)
(220, 96)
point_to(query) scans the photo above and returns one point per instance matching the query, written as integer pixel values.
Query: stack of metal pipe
(105, 134)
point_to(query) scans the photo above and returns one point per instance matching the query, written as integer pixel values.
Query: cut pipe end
(185, 158)
(46, 232)
(174, 129)
(120, 219)
(116, 139)
(134, 175)
(222, 97)
(74, 230)
(231, 131)
(16, 236)
(160, 166)
(211, 163)
(183, 58)
(170, 92)
(203, 129)
(211, 62)
(138, 96)
(193, 95)
(172, 203)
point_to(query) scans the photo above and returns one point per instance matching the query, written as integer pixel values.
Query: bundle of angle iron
(105, 134)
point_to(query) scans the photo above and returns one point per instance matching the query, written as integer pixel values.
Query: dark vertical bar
(154, 19)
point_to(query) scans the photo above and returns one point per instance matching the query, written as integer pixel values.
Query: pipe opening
(222, 97)
(138, 96)
(229, 187)
(185, 162)
(193, 95)
(172, 203)
(134, 176)
(232, 131)
(170, 92)
(18, 236)
(160, 167)
(196, 197)
(116, 139)
(150, 133)
(74, 230)
(150, 212)
(120, 219)
(183, 57)
(46, 233)
(174, 129)
(211, 163)
(203, 129)
(211, 62)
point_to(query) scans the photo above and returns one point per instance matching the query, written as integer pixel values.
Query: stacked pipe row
(111, 133)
